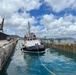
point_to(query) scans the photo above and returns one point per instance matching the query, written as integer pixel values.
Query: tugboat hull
(34, 49)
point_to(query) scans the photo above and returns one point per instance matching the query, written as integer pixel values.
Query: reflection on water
(59, 62)
(62, 53)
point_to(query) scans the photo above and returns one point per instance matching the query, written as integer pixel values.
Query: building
(3, 36)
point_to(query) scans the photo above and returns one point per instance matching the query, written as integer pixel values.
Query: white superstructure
(32, 43)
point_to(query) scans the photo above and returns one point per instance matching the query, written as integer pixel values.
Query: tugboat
(31, 43)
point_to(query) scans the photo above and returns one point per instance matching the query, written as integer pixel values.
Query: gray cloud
(59, 5)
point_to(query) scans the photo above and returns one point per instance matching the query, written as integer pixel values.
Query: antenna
(29, 29)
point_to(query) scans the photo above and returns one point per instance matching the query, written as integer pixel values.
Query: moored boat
(32, 44)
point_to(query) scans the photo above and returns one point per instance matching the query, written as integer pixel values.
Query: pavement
(3, 42)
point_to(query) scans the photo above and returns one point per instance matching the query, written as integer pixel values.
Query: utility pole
(1, 25)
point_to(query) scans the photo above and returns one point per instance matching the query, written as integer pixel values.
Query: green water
(58, 62)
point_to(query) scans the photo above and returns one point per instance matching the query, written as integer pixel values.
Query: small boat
(32, 44)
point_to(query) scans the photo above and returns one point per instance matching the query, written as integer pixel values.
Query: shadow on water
(5, 67)
(31, 57)
(33, 54)
(33, 64)
(66, 54)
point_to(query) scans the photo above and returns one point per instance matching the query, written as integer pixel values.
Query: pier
(67, 47)
(6, 49)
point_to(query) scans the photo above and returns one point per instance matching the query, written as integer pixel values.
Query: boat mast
(29, 29)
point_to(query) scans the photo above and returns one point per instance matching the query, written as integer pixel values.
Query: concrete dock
(3, 42)
(6, 49)
(67, 47)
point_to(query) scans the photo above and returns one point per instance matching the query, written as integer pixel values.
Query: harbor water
(52, 62)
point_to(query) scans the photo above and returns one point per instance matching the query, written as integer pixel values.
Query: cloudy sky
(51, 18)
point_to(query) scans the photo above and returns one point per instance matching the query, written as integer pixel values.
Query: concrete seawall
(64, 47)
(5, 52)
(70, 48)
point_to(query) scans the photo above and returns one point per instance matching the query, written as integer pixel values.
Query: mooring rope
(44, 65)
